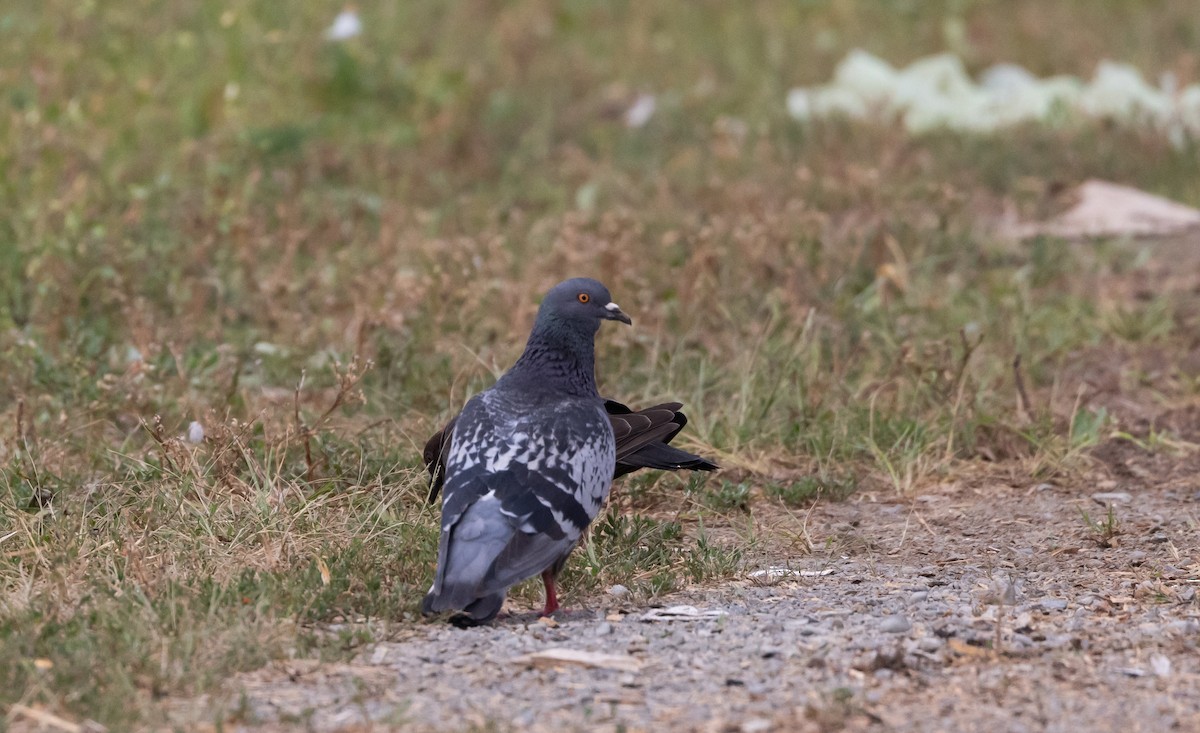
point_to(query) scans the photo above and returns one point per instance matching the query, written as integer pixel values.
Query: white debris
(936, 92)
(782, 572)
(640, 112)
(681, 613)
(195, 432)
(1108, 210)
(1119, 92)
(1160, 665)
(559, 657)
(345, 26)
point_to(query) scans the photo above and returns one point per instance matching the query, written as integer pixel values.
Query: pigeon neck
(559, 358)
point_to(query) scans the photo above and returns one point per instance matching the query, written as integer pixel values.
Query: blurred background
(252, 253)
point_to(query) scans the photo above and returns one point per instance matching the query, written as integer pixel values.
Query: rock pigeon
(529, 462)
(643, 438)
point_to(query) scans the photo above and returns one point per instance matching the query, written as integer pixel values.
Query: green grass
(319, 251)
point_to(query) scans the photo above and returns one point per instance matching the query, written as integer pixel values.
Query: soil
(991, 602)
(970, 607)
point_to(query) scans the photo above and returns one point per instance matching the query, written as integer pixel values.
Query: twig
(1024, 406)
(303, 430)
(156, 433)
(347, 381)
(960, 382)
(44, 717)
(998, 644)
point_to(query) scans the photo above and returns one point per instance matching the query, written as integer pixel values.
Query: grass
(319, 251)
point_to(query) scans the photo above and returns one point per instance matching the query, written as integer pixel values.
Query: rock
(918, 597)
(1112, 497)
(929, 644)
(896, 624)
(1053, 604)
(1160, 665)
(618, 591)
(756, 725)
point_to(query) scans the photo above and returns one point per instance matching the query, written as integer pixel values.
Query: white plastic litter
(681, 613)
(936, 92)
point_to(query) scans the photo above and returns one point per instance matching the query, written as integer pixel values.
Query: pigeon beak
(614, 313)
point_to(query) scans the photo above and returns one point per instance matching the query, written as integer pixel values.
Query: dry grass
(206, 206)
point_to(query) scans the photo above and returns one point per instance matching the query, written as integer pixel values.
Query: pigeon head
(579, 302)
(559, 357)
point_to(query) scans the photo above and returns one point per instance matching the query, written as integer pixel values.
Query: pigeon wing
(642, 439)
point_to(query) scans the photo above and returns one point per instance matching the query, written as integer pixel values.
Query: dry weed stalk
(347, 394)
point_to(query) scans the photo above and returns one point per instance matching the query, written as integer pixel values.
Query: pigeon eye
(584, 297)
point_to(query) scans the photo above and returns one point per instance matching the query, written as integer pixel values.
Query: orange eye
(584, 297)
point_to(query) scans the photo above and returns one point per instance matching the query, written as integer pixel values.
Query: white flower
(345, 26)
(640, 112)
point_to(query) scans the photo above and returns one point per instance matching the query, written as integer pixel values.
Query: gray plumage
(530, 461)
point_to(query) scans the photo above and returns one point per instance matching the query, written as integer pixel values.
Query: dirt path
(996, 608)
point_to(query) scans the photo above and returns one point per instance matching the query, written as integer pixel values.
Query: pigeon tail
(479, 612)
(480, 536)
(664, 458)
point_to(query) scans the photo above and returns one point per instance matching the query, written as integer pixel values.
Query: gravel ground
(994, 609)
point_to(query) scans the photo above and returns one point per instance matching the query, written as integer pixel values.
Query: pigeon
(643, 438)
(529, 462)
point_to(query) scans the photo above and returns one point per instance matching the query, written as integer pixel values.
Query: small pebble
(604, 628)
(618, 590)
(1053, 604)
(929, 644)
(1160, 665)
(1112, 497)
(756, 725)
(918, 597)
(895, 624)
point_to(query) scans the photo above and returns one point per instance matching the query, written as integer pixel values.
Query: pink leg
(551, 596)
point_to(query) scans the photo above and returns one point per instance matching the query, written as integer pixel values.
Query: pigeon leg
(551, 596)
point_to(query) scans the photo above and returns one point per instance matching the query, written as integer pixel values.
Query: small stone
(1058, 641)
(918, 597)
(1112, 497)
(604, 628)
(618, 590)
(1160, 665)
(1184, 628)
(1137, 557)
(896, 624)
(1053, 604)
(929, 644)
(756, 725)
